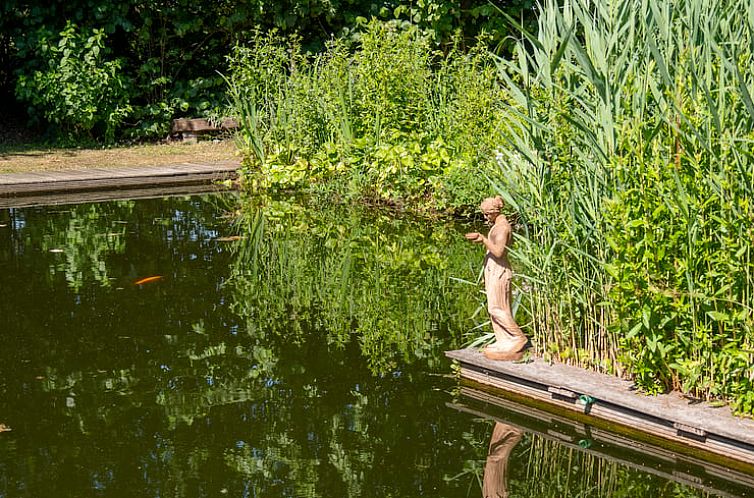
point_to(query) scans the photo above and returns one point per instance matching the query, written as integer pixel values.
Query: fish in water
(147, 280)
(5, 428)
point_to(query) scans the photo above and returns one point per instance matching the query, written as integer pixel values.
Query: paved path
(17, 189)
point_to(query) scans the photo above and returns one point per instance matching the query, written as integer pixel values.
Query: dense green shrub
(387, 116)
(76, 89)
(630, 162)
(170, 51)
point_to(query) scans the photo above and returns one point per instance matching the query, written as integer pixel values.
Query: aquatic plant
(629, 161)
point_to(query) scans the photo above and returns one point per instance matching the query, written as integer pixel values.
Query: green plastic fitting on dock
(586, 400)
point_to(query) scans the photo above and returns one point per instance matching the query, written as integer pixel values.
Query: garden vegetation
(629, 161)
(104, 70)
(620, 135)
(385, 118)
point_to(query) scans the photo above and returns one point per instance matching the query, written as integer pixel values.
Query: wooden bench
(191, 128)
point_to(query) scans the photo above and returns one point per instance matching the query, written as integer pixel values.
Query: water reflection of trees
(291, 362)
(74, 241)
(218, 379)
(329, 302)
(341, 275)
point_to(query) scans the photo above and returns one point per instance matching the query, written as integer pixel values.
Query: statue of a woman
(510, 340)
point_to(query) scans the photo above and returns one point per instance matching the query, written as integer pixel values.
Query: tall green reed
(629, 160)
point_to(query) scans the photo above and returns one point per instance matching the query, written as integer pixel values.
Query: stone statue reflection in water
(504, 439)
(510, 341)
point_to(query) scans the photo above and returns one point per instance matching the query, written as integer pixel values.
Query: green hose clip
(586, 400)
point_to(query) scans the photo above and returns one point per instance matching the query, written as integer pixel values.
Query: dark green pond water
(302, 359)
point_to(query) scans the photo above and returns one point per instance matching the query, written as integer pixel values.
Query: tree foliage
(170, 52)
(77, 90)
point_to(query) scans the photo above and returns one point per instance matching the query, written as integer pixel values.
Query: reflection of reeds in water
(550, 469)
(346, 276)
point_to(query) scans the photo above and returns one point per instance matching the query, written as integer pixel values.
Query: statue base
(499, 355)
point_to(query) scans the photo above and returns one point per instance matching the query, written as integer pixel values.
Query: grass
(31, 158)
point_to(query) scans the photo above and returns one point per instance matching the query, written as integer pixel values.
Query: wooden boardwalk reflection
(710, 477)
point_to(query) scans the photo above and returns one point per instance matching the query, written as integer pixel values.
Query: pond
(217, 346)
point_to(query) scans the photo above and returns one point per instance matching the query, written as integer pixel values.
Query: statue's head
(491, 207)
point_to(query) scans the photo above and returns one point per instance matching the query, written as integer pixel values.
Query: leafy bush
(386, 116)
(77, 90)
(170, 51)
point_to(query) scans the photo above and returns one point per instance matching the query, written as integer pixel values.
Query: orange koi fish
(148, 280)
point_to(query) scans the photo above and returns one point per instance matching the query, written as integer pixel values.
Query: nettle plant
(75, 88)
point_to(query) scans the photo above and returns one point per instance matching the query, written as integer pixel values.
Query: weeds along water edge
(621, 141)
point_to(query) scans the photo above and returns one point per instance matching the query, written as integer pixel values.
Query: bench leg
(189, 137)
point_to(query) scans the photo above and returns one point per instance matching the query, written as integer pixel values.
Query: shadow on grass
(35, 149)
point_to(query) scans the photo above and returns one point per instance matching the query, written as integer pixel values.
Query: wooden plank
(201, 125)
(16, 178)
(599, 451)
(154, 192)
(92, 173)
(68, 174)
(655, 426)
(668, 416)
(98, 179)
(624, 441)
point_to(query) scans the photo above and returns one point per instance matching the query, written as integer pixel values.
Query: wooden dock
(23, 189)
(713, 478)
(595, 397)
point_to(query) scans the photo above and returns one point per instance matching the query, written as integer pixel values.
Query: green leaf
(718, 316)
(634, 331)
